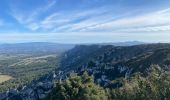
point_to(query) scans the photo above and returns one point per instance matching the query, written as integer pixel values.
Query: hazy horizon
(81, 43)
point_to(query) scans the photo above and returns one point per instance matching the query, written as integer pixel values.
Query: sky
(84, 21)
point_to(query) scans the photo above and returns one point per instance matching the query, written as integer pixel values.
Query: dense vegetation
(25, 68)
(138, 87)
(77, 87)
(107, 53)
(109, 60)
(125, 73)
(155, 86)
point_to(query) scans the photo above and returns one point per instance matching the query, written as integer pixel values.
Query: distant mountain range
(45, 47)
(35, 47)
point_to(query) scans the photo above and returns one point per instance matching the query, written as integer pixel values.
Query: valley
(22, 63)
(21, 69)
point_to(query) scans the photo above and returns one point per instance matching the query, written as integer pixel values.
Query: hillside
(117, 73)
(107, 53)
(116, 61)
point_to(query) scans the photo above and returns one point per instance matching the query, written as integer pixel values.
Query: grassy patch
(4, 78)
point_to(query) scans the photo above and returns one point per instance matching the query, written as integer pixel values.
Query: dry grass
(4, 78)
(31, 60)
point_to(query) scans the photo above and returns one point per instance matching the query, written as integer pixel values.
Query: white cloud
(29, 20)
(155, 21)
(159, 20)
(56, 20)
(66, 19)
(93, 17)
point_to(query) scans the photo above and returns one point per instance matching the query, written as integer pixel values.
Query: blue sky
(84, 21)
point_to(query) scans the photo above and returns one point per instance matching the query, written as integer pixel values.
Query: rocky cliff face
(36, 90)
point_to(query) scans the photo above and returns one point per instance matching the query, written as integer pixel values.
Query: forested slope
(124, 73)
